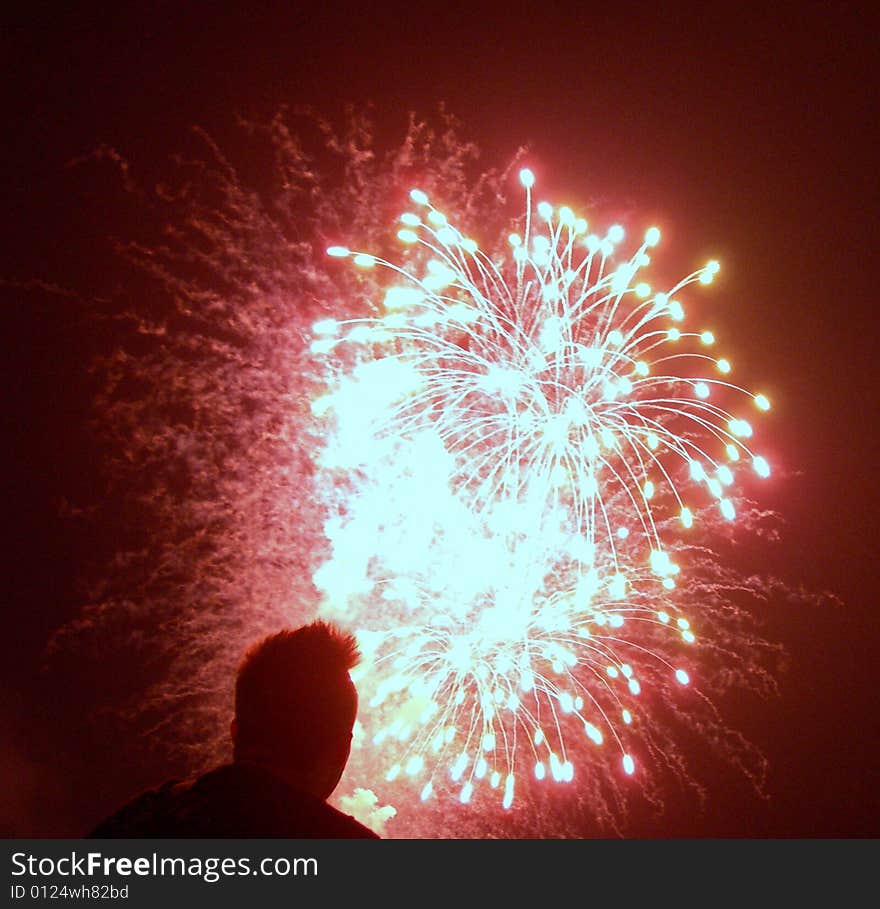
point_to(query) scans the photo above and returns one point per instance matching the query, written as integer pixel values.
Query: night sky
(745, 133)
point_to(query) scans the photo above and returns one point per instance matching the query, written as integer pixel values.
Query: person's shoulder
(233, 800)
(141, 816)
(349, 827)
(211, 805)
(279, 808)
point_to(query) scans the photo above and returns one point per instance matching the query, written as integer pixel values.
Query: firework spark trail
(515, 430)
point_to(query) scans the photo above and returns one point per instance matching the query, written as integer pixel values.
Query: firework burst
(517, 443)
(453, 453)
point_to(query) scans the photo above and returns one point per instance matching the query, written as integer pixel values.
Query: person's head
(295, 705)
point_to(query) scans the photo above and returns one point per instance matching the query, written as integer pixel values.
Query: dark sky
(747, 131)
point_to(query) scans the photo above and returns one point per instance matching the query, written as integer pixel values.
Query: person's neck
(300, 780)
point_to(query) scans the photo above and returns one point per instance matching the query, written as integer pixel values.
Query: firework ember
(517, 444)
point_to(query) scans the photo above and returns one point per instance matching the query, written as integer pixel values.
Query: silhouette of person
(295, 707)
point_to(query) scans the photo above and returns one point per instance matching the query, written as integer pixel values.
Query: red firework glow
(529, 606)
